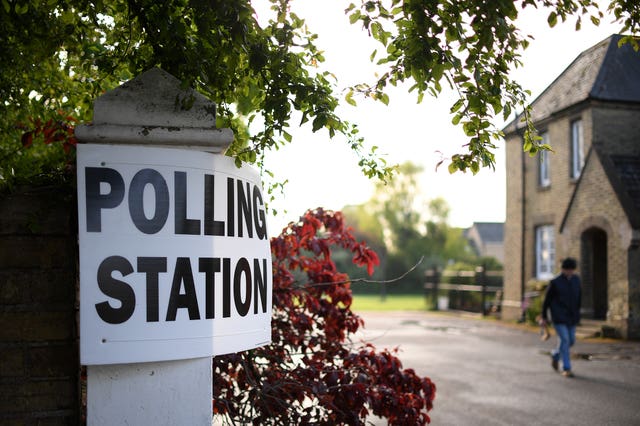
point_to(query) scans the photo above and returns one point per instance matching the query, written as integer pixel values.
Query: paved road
(490, 373)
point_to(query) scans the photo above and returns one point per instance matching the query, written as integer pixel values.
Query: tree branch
(358, 280)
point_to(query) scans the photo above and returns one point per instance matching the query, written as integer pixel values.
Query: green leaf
(6, 5)
(475, 167)
(353, 18)
(456, 106)
(319, 122)
(507, 111)
(469, 128)
(552, 19)
(392, 49)
(349, 98)
(21, 9)
(451, 35)
(375, 29)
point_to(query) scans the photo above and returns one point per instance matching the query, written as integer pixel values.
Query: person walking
(563, 299)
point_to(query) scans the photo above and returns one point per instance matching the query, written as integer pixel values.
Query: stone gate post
(152, 110)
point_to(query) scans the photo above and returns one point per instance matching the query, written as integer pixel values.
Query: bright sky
(324, 173)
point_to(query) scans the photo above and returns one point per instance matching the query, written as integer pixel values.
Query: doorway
(594, 273)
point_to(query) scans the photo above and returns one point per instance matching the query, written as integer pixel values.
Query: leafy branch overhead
(266, 77)
(471, 46)
(62, 55)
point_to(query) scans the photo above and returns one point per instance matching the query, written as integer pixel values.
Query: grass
(393, 302)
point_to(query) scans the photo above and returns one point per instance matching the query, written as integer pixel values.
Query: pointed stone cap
(154, 109)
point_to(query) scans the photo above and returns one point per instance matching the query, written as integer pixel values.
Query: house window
(544, 179)
(545, 252)
(577, 148)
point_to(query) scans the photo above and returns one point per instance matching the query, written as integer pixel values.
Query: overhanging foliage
(60, 55)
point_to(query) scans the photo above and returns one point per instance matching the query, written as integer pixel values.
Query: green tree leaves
(472, 46)
(63, 54)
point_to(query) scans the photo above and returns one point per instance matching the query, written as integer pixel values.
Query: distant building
(583, 199)
(487, 239)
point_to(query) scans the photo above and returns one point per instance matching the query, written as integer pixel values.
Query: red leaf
(27, 139)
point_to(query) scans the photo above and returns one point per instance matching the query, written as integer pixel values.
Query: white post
(150, 393)
(153, 110)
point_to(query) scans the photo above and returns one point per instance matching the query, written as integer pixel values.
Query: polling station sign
(175, 261)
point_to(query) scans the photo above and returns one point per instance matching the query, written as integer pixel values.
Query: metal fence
(482, 292)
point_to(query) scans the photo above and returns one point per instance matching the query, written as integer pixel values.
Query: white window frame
(544, 171)
(545, 252)
(577, 148)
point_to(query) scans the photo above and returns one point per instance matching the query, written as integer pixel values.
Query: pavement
(490, 372)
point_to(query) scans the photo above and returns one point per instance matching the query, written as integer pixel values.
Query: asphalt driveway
(493, 373)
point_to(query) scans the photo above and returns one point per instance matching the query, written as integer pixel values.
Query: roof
(605, 72)
(623, 172)
(490, 232)
(618, 76)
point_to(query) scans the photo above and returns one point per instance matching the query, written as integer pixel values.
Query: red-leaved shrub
(313, 372)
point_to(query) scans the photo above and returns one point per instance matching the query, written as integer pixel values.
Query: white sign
(175, 261)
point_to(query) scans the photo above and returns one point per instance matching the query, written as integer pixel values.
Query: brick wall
(633, 331)
(39, 366)
(596, 205)
(543, 206)
(512, 231)
(618, 124)
(615, 128)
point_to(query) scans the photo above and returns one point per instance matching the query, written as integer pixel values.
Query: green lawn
(393, 302)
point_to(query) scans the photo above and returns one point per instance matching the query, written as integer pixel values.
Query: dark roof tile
(627, 175)
(490, 231)
(603, 72)
(619, 76)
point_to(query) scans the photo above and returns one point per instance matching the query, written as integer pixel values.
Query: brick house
(583, 199)
(487, 239)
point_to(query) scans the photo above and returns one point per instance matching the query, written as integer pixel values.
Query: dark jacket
(563, 298)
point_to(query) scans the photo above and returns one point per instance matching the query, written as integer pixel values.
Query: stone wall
(634, 291)
(619, 124)
(614, 129)
(542, 205)
(513, 238)
(596, 206)
(39, 365)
